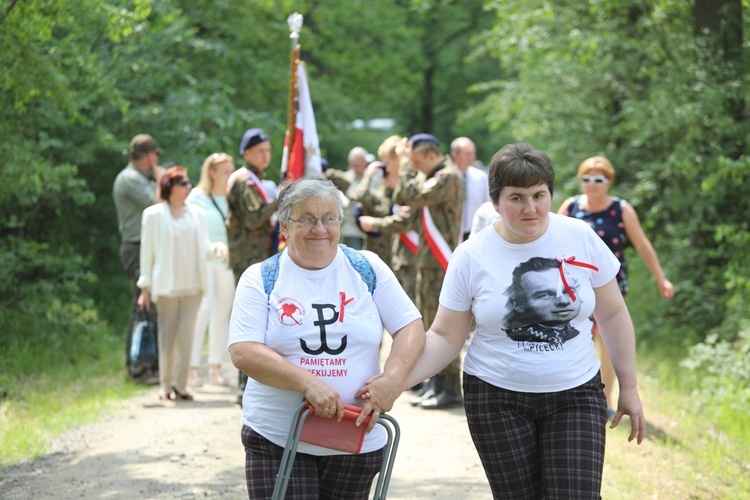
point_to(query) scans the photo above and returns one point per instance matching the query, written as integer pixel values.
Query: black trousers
(130, 256)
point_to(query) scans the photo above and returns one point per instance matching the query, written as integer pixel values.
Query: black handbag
(143, 354)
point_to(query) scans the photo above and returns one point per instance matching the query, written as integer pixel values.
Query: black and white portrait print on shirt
(540, 308)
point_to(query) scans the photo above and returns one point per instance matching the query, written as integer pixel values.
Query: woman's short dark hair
(520, 165)
(171, 177)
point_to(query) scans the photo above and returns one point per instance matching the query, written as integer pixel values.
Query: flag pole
(295, 26)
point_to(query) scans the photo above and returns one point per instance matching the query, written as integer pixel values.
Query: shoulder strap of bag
(216, 205)
(360, 264)
(269, 270)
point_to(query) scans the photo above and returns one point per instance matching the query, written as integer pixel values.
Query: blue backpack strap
(269, 271)
(362, 266)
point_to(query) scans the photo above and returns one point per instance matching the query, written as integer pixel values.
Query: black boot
(431, 387)
(448, 397)
(419, 388)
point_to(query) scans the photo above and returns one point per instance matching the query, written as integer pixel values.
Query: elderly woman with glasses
(307, 324)
(617, 224)
(174, 249)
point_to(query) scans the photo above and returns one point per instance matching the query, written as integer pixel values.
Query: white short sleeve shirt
(325, 321)
(531, 336)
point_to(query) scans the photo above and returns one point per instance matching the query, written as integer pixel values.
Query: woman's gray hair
(302, 189)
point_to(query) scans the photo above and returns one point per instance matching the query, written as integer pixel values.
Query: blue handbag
(143, 353)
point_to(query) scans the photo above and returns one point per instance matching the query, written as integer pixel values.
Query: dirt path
(150, 449)
(155, 450)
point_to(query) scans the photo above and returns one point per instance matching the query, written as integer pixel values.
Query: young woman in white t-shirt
(532, 389)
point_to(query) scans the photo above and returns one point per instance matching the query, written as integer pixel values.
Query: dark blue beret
(324, 164)
(252, 137)
(418, 139)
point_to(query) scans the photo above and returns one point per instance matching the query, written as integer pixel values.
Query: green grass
(40, 408)
(52, 381)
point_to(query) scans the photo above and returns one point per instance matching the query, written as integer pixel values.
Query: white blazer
(157, 269)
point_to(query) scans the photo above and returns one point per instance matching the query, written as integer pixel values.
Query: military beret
(418, 139)
(252, 137)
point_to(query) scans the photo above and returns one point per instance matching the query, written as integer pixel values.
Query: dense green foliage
(630, 80)
(661, 88)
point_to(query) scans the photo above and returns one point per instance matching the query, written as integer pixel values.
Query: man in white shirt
(464, 154)
(351, 235)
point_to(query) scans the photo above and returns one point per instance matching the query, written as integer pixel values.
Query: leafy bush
(719, 372)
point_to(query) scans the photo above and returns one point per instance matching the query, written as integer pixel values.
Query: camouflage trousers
(407, 277)
(429, 283)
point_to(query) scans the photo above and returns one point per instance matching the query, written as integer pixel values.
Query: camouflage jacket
(250, 233)
(442, 192)
(404, 220)
(376, 202)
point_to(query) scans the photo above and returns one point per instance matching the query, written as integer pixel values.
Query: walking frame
(290, 450)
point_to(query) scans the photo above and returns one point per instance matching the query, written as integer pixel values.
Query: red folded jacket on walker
(330, 433)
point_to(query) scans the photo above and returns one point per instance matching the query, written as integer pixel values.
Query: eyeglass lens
(313, 221)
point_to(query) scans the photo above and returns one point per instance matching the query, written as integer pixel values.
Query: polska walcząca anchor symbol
(322, 322)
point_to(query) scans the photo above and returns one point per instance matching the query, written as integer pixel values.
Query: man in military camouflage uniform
(403, 254)
(250, 230)
(441, 192)
(397, 229)
(374, 195)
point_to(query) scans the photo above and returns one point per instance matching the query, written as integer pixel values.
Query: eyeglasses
(183, 182)
(313, 221)
(596, 179)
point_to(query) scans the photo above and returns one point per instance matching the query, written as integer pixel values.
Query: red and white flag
(303, 156)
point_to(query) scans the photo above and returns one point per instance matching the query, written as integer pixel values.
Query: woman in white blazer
(174, 249)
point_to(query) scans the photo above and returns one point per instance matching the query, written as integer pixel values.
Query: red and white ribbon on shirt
(573, 262)
(410, 240)
(252, 181)
(435, 241)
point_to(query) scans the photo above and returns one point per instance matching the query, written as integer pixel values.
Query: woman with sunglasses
(174, 248)
(617, 224)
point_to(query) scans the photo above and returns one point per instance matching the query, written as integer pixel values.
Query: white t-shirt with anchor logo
(325, 321)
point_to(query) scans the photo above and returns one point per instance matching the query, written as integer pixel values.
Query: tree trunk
(721, 22)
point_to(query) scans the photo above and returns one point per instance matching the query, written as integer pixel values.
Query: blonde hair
(597, 163)
(388, 148)
(209, 164)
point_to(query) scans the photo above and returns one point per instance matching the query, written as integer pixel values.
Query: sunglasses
(596, 179)
(182, 183)
(216, 157)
